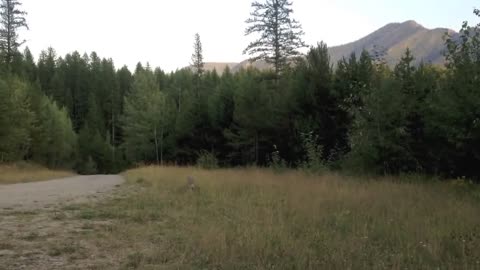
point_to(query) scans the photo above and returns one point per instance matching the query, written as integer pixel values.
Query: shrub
(207, 160)
(277, 163)
(88, 167)
(314, 162)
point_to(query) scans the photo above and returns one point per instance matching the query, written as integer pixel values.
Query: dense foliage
(79, 111)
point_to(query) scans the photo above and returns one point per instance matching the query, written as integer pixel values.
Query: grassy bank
(255, 219)
(26, 172)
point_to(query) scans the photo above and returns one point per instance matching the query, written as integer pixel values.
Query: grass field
(256, 219)
(26, 172)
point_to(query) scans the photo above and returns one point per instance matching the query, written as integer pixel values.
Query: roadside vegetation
(26, 172)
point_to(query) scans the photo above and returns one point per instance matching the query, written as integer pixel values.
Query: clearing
(252, 219)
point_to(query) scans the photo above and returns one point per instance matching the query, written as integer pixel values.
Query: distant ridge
(219, 66)
(392, 40)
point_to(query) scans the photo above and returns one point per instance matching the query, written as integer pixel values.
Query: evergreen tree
(197, 57)
(453, 123)
(220, 112)
(47, 70)
(198, 66)
(11, 19)
(16, 120)
(54, 141)
(318, 104)
(148, 119)
(29, 69)
(77, 86)
(280, 35)
(253, 118)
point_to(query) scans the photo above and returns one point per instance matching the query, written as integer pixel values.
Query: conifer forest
(80, 111)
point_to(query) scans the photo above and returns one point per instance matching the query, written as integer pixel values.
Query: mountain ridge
(393, 39)
(390, 41)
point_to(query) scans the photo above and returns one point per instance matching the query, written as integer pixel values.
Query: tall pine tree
(280, 35)
(12, 19)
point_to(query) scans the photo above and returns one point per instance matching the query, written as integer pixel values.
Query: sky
(161, 32)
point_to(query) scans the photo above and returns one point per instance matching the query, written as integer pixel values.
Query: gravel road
(48, 193)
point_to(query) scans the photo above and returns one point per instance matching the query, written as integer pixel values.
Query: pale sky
(161, 32)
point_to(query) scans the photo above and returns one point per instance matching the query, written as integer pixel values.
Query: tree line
(79, 111)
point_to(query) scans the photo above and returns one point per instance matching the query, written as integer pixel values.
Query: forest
(80, 111)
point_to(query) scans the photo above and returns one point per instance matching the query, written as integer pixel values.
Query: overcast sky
(162, 31)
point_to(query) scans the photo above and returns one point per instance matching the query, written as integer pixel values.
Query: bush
(314, 162)
(207, 160)
(88, 167)
(277, 163)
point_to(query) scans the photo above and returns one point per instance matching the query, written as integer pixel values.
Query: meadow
(259, 219)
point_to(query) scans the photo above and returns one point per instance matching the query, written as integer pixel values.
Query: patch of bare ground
(58, 236)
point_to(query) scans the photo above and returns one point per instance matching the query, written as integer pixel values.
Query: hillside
(219, 66)
(391, 40)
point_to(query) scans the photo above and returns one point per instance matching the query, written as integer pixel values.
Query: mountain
(261, 65)
(219, 66)
(390, 42)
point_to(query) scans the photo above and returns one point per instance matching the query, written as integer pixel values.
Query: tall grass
(256, 219)
(27, 172)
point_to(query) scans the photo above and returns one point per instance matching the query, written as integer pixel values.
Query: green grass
(256, 219)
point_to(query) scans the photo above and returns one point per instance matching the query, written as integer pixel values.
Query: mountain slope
(219, 66)
(393, 39)
(390, 41)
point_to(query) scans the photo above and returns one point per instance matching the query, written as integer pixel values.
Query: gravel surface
(48, 193)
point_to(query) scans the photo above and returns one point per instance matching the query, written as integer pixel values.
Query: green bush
(207, 160)
(277, 163)
(314, 162)
(88, 167)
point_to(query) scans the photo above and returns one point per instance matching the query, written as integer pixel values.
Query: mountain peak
(426, 45)
(412, 23)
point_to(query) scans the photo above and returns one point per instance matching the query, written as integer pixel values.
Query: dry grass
(25, 172)
(256, 219)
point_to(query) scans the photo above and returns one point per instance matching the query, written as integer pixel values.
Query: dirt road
(48, 193)
(42, 227)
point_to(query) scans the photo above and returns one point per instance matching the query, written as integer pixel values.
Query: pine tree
(280, 36)
(46, 70)
(76, 86)
(12, 19)
(16, 120)
(29, 69)
(54, 141)
(148, 119)
(198, 64)
(220, 111)
(319, 104)
(254, 118)
(453, 121)
(197, 57)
